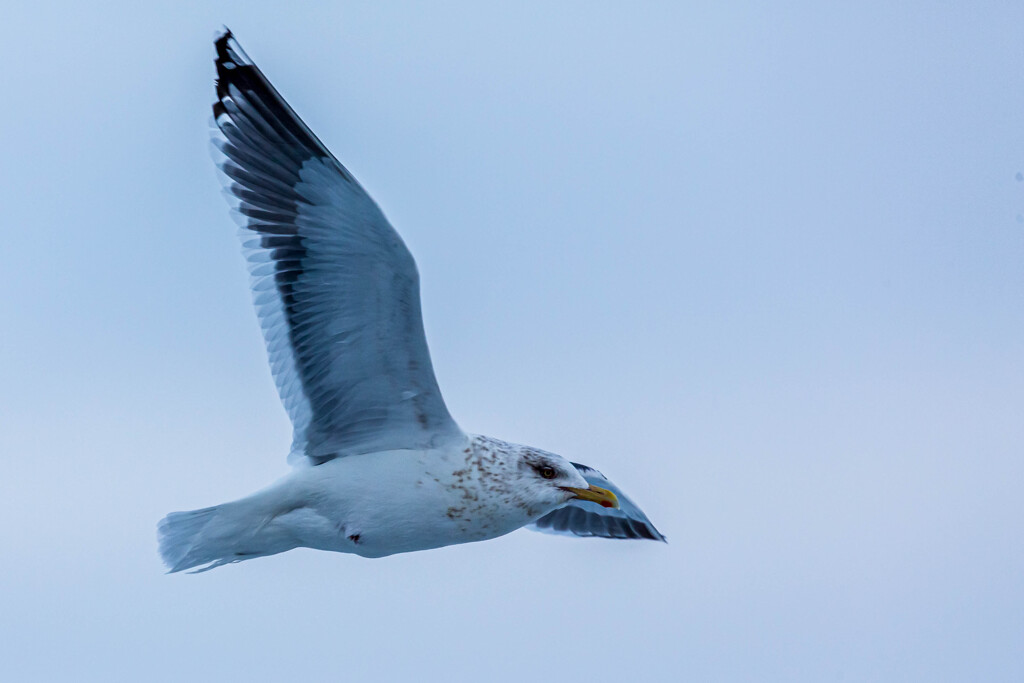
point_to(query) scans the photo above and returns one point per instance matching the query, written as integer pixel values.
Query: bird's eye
(546, 471)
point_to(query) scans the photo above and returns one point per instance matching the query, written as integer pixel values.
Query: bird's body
(379, 465)
(378, 504)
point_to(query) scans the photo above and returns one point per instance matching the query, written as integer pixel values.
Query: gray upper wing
(335, 288)
(585, 518)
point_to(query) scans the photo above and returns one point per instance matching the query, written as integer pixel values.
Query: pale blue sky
(763, 266)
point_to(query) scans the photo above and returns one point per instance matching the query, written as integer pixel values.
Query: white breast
(399, 501)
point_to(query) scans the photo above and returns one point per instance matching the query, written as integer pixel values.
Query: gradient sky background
(763, 266)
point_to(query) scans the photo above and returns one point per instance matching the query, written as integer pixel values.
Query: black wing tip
(221, 45)
(591, 524)
(643, 529)
(228, 49)
(222, 36)
(233, 67)
(231, 58)
(640, 531)
(637, 531)
(652, 534)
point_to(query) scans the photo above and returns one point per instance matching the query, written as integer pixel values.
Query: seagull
(378, 464)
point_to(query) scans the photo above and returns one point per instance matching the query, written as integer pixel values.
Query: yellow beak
(595, 494)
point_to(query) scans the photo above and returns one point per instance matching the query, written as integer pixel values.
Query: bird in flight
(378, 465)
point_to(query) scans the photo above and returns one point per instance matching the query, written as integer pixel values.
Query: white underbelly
(387, 503)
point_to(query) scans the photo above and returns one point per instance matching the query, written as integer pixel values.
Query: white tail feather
(182, 542)
(217, 535)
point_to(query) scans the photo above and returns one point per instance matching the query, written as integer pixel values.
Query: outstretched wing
(335, 288)
(584, 518)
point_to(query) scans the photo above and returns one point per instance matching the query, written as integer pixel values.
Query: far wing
(336, 289)
(584, 518)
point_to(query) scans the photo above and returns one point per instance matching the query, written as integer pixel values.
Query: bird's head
(548, 481)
